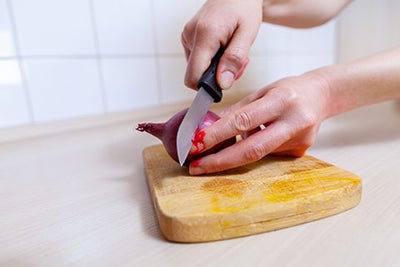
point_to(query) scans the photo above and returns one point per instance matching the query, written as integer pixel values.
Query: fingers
(202, 37)
(290, 128)
(235, 59)
(199, 60)
(246, 151)
(233, 26)
(277, 139)
(291, 111)
(246, 118)
(232, 63)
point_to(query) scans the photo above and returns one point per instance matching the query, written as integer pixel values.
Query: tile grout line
(157, 58)
(160, 55)
(337, 36)
(98, 57)
(25, 85)
(90, 56)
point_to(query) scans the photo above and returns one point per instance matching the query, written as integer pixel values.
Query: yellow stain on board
(218, 207)
(298, 186)
(226, 187)
(225, 224)
(303, 185)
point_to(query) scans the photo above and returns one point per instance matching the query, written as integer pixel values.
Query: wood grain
(273, 193)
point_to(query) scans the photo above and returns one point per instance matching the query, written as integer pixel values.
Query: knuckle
(283, 98)
(214, 164)
(184, 39)
(212, 137)
(289, 95)
(203, 26)
(189, 80)
(309, 120)
(242, 122)
(254, 153)
(237, 56)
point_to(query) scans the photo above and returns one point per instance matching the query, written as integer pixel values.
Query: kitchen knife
(209, 91)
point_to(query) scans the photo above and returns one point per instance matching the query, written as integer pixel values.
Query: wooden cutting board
(273, 193)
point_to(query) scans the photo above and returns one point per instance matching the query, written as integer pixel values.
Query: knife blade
(208, 92)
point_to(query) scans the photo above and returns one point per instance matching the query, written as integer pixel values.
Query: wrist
(330, 79)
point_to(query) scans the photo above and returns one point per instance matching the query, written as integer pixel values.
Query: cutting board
(273, 193)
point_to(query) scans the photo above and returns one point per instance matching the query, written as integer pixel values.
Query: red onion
(167, 132)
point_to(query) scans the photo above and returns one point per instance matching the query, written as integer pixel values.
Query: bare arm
(301, 14)
(234, 24)
(362, 82)
(293, 108)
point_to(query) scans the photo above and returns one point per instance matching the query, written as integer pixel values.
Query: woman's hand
(232, 24)
(290, 112)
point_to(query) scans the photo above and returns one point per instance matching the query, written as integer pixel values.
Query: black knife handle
(209, 79)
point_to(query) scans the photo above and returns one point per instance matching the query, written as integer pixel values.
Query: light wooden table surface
(80, 198)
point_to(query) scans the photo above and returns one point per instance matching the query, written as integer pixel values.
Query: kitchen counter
(75, 194)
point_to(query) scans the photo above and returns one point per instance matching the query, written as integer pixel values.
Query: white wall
(71, 58)
(368, 26)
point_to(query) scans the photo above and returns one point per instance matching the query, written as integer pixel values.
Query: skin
(233, 24)
(301, 13)
(290, 110)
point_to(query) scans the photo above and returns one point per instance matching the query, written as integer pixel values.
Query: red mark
(198, 142)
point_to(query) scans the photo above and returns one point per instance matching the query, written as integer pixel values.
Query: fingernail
(198, 142)
(195, 168)
(227, 78)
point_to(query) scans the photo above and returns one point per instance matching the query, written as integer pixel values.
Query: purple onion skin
(167, 132)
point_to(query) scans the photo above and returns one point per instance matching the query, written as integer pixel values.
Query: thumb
(233, 61)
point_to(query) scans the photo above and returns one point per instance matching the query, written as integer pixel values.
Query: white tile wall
(6, 35)
(124, 27)
(299, 63)
(70, 58)
(271, 39)
(280, 51)
(367, 27)
(263, 70)
(63, 88)
(313, 40)
(172, 72)
(130, 83)
(170, 18)
(47, 27)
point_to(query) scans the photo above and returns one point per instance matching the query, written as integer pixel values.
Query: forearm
(362, 82)
(301, 14)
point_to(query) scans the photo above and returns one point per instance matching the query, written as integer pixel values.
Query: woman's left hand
(290, 112)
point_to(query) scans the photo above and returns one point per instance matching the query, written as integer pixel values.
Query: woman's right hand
(233, 24)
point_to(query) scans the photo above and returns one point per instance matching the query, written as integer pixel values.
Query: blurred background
(66, 59)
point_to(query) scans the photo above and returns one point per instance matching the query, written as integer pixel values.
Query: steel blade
(190, 122)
